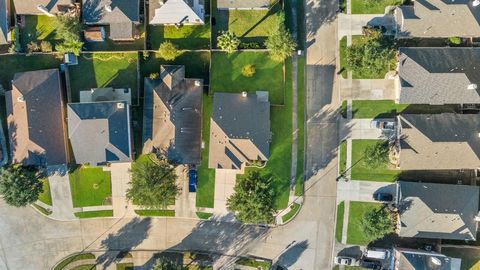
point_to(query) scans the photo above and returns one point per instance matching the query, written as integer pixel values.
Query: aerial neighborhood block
(172, 121)
(243, 4)
(36, 126)
(42, 7)
(4, 21)
(176, 12)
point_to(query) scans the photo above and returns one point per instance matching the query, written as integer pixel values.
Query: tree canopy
(280, 43)
(377, 223)
(228, 42)
(68, 31)
(377, 154)
(19, 185)
(253, 199)
(153, 184)
(166, 264)
(168, 51)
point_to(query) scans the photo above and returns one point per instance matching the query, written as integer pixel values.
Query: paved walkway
(185, 201)
(120, 176)
(62, 204)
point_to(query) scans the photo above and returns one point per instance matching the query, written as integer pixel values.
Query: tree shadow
(292, 254)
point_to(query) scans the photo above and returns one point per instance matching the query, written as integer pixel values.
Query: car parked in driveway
(192, 180)
(383, 197)
(344, 260)
(383, 124)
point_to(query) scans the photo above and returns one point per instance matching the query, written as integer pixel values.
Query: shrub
(168, 51)
(154, 76)
(250, 45)
(32, 47)
(280, 42)
(377, 155)
(228, 42)
(46, 46)
(455, 40)
(19, 185)
(248, 70)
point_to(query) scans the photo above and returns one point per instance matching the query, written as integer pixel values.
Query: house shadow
(352, 251)
(288, 258)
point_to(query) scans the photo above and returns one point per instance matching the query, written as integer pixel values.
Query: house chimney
(120, 105)
(435, 261)
(20, 99)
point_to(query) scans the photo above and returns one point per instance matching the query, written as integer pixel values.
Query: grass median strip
(294, 208)
(204, 215)
(93, 214)
(339, 222)
(45, 196)
(155, 213)
(74, 258)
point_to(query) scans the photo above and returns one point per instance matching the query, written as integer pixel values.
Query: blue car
(192, 180)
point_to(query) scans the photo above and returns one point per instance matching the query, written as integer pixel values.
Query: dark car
(383, 197)
(371, 265)
(192, 180)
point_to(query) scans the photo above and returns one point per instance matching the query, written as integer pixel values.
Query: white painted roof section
(177, 11)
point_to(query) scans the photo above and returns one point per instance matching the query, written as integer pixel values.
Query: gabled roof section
(35, 118)
(239, 129)
(438, 211)
(243, 4)
(30, 7)
(409, 259)
(4, 18)
(439, 76)
(99, 132)
(178, 12)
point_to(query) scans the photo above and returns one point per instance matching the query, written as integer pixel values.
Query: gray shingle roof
(243, 4)
(26, 7)
(418, 259)
(439, 75)
(99, 132)
(438, 211)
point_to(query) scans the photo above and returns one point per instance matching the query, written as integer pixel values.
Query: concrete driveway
(62, 204)
(353, 24)
(120, 176)
(224, 183)
(367, 89)
(185, 201)
(362, 190)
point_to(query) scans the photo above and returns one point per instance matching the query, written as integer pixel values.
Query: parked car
(371, 265)
(383, 197)
(383, 124)
(344, 260)
(192, 180)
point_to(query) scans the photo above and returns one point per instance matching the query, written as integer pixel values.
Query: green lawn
(263, 265)
(372, 6)
(125, 266)
(44, 211)
(361, 171)
(155, 213)
(227, 74)
(110, 45)
(355, 235)
(339, 222)
(188, 37)
(470, 256)
(343, 157)
(301, 126)
(389, 109)
(90, 187)
(38, 28)
(343, 55)
(71, 259)
(45, 196)
(293, 211)
(204, 215)
(85, 267)
(93, 214)
(102, 70)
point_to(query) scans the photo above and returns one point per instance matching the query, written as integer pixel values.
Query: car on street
(344, 260)
(192, 180)
(383, 124)
(383, 197)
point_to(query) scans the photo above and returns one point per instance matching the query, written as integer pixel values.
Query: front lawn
(355, 235)
(361, 171)
(38, 28)
(339, 222)
(300, 126)
(188, 37)
(90, 187)
(94, 214)
(45, 196)
(343, 157)
(294, 208)
(372, 6)
(155, 213)
(227, 74)
(389, 109)
(104, 70)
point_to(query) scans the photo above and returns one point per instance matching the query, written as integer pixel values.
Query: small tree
(68, 31)
(166, 264)
(253, 200)
(248, 70)
(19, 185)
(168, 51)
(377, 154)
(228, 42)
(46, 46)
(280, 42)
(377, 223)
(153, 184)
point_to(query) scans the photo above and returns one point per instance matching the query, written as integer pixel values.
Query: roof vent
(244, 94)
(435, 261)
(120, 105)
(108, 8)
(197, 83)
(476, 3)
(20, 99)
(472, 86)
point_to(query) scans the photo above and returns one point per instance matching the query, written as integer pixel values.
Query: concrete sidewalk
(62, 204)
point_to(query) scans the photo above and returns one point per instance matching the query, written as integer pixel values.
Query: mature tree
(377, 154)
(166, 264)
(153, 184)
(280, 42)
(19, 186)
(371, 57)
(377, 223)
(228, 42)
(254, 199)
(168, 51)
(68, 31)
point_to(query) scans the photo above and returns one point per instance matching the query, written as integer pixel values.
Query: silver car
(344, 260)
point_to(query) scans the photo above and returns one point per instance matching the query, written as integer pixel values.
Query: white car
(383, 124)
(343, 260)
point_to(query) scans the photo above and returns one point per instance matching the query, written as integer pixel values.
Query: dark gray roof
(438, 211)
(419, 259)
(35, 117)
(4, 13)
(439, 75)
(99, 132)
(173, 115)
(243, 4)
(29, 7)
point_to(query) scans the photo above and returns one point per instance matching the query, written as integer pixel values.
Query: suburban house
(99, 132)
(438, 76)
(445, 141)
(413, 259)
(4, 22)
(239, 130)
(106, 94)
(172, 121)
(176, 12)
(438, 19)
(121, 16)
(438, 211)
(243, 4)
(35, 118)
(43, 7)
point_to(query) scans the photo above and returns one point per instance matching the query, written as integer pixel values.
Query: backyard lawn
(104, 70)
(355, 235)
(361, 171)
(470, 256)
(227, 74)
(45, 196)
(389, 109)
(90, 187)
(372, 6)
(339, 222)
(38, 28)
(189, 37)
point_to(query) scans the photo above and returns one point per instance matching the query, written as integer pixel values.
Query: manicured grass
(11, 64)
(204, 215)
(343, 109)
(372, 6)
(155, 213)
(110, 45)
(470, 256)
(343, 56)
(301, 126)
(361, 171)
(104, 69)
(38, 28)
(264, 265)
(339, 222)
(85, 267)
(41, 209)
(293, 211)
(77, 257)
(343, 157)
(90, 187)
(389, 109)
(93, 214)
(45, 196)
(206, 176)
(125, 266)
(357, 210)
(189, 37)
(227, 74)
